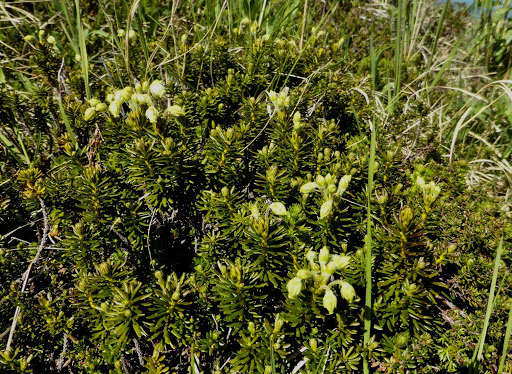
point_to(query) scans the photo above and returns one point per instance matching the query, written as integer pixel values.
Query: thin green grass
(506, 341)
(83, 50)
(440, 25)
(368, 241)
(478, 353)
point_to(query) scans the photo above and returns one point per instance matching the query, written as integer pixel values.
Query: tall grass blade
(272, 357)
(368, 241)
(304, 17)
(506, 342)
(477, 355)
(438, 32)
(83, 50)
(398, 46)
(69, 129)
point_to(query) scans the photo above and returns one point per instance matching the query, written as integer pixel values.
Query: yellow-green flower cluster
(131, 33)
(329, 187)
(142, 96)
(280, 100)
(429, 190)
(322, 266)
(95, 106)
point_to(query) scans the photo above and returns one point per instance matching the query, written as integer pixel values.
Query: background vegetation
(255, 186)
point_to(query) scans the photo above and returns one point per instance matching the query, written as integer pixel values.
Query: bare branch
(26, 275)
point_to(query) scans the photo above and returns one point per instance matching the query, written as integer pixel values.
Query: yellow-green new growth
(176, 111)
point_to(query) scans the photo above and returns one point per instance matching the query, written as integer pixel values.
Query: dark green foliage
(219, 223)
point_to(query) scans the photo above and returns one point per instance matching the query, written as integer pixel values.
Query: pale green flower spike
(297, 123)
(142, 99)
(311, 256)
(157, 88)
(420, 182)
(118, 96)
(280, 100)
(330, 268)
(320, 180)
(330, 301)
(278, 208)
(294, 287)
(94, 101)
(51, 40)
(430, 193)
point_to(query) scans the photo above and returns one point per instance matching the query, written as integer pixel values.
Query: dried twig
(60, 361)
(26, 275)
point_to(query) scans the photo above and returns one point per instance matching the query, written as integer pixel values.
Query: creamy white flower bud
(308, 187)
(341, 262)
(176, 111)
(152, 114)
(343, 184)
(115, 108)
(157, 88)
(294, 287)
(323, 256)
(278, 208)
(89, 113)
(347, 291)
(303, 274)
(325, 209)
(330, 301)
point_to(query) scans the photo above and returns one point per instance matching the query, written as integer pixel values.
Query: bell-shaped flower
(294, 287)
(278, 208)
(330, 301)
(326, 209)
(157, 89)
(176, 111)
(152, 114)
(115, 108)
(89, 113)
(347, 291)
(308, 187)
